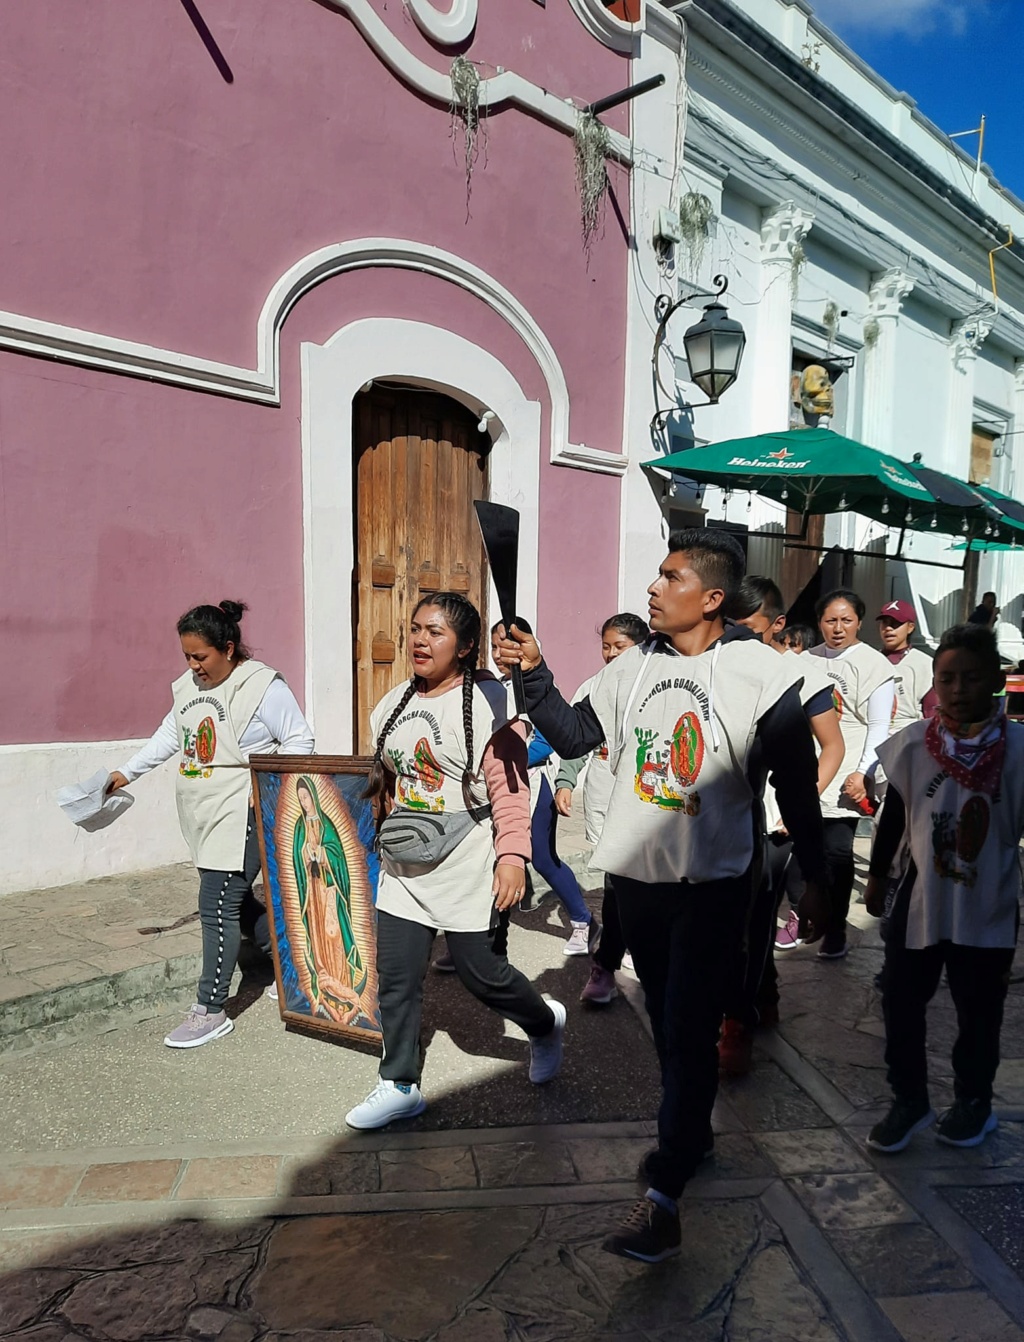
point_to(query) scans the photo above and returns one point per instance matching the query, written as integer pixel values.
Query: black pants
(403, 954)
(978, 978)
(221, 896)
(753, 977)
(683, 939)
(839, 836)
(612, 946)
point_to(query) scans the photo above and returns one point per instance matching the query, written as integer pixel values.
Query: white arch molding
(28, 336)
(332, 374)
(447, 27)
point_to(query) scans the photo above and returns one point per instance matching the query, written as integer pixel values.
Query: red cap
(900, 611)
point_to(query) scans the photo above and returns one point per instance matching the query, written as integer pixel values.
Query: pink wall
(148, 199)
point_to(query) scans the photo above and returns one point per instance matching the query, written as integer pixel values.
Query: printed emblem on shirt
(837, 702)
(957, 841)
(198, 750)
(419, 781)
(666, 771)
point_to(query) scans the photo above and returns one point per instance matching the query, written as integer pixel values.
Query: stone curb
(51, 1015)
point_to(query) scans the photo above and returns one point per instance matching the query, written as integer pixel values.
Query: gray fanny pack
(411, 843)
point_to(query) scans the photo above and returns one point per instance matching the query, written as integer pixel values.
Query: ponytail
(376, 783)
(468, 686)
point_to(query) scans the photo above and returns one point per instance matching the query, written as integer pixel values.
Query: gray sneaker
(200, 1026)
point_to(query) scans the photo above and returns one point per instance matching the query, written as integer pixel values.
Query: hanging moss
(465, 115)
(593, 144)
(695, 215)
(797, 261)
(830, 321)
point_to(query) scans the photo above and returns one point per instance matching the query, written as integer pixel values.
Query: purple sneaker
(199, 1027)
(786, 938)
(600, 987)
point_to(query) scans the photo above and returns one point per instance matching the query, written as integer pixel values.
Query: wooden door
(420, 462)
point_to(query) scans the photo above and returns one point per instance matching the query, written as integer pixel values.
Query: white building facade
(854, 234)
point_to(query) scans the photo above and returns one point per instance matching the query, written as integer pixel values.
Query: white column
(782, 231)
(1004, 569)
(966, 338)
(885, 303)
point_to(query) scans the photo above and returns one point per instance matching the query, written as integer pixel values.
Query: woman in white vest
(227, 706)
(862, 695)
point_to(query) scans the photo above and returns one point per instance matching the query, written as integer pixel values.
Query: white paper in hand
(88, 805)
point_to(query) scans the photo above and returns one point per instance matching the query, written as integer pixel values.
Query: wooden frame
(320, 870)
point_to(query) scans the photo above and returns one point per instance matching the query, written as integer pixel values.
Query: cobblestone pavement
(119, 1224)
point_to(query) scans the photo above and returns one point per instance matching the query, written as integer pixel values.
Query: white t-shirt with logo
(679, 731)
(426, 751)
(800, 668)
(964, 844)
(856, 672)
(911, 681)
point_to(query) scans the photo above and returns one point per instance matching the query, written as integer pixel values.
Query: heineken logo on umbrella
(763, 464)
(781, 455)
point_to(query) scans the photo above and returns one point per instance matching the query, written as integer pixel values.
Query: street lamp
(714, 349)
(713, 346)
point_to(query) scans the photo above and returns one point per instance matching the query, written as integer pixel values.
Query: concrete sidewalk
(76, 958)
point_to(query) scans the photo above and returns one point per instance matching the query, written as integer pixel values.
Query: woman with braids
(227, 706)
(454, 848)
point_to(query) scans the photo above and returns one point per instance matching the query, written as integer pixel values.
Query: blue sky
(956, 59)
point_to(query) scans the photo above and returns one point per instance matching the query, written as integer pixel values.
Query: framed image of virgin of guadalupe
(320, 870)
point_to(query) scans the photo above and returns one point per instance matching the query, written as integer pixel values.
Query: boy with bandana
(944, 870)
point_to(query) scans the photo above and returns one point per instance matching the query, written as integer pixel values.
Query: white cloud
(910, 18)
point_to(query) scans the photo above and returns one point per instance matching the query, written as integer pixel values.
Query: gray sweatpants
(221, 895)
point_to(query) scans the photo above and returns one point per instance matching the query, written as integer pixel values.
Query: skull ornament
(816, 396)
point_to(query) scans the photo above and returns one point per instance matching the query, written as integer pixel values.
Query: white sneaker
(627, 963)
(271, 992)
(546, 1050)
(387, 1101)
(579, 940)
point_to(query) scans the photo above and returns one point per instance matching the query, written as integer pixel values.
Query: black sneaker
(901, 1122)
(833, 946)
(643, 1173)
(649, 1233)
(967, 1123)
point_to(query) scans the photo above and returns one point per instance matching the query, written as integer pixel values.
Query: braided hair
(464, 620)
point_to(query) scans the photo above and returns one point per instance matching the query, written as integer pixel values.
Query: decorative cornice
(665, 27)
(782, 230)
(1018, 377)
(505, 87)
(886, 295)
(586, 458)
(967, 336)
(448, 28)
(619, 34)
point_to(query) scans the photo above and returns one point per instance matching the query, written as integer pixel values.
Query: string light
(909, 516)
(885, 507)
(785, 493)
(842, 501)
(934, 522)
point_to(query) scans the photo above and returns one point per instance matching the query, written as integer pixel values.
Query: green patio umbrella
(1010, 510)
(810, 470)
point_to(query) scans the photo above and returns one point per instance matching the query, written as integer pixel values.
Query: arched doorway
(419, 463)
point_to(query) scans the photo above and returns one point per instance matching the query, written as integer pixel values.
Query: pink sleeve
(508, 787)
